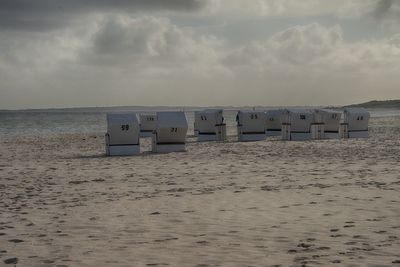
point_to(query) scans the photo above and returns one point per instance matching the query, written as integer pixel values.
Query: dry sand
(269, 203)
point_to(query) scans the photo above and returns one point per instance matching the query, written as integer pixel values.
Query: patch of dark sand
(78, 182)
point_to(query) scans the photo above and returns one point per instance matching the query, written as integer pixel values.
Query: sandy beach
(189, 70)
(267, 203)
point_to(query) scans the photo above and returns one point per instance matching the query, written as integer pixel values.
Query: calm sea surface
(93, 120)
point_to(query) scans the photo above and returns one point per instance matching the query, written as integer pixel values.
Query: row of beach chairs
(168, 130)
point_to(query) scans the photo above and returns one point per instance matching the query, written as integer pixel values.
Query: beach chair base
(331, 135)
(300, 136)
(168, 148)
(358, 134)
(210, 137)
(118, 150)
(273, 133)
(251, 137)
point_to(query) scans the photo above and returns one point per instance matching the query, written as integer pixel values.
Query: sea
(42, 122)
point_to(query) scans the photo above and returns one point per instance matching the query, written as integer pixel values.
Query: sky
(57, 53)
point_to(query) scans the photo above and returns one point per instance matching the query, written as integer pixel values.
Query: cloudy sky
(57, 53)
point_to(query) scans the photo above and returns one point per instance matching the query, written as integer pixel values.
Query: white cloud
(147, 60)
(314, 45)
(133, 56)
(143, 40)
(306, 64)
(291, 8)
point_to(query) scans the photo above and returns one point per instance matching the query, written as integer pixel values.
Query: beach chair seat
(122, 137)
(209, 125)
(170, 133)
(251, 125)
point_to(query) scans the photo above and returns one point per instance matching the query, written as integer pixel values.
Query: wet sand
(268, 203)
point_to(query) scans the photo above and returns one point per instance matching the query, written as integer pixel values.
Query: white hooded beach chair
(355, 123)
(296, 124)
(251, 125)
(317, 127)
(331, 122)
(147, 124)
(122, 137)
(209, 125)
(170, 133)
(273, 122)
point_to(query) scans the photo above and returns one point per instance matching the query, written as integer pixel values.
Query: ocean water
(93, 120)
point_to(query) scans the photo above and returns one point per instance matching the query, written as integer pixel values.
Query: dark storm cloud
(387, 10)
(47, 14)
(382, 8)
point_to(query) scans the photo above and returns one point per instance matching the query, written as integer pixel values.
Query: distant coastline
(375, 104)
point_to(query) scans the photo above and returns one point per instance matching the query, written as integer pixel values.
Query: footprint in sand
(323, 248)
(16, 240)
(338, 235)
(11, 261)
(304, 245)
